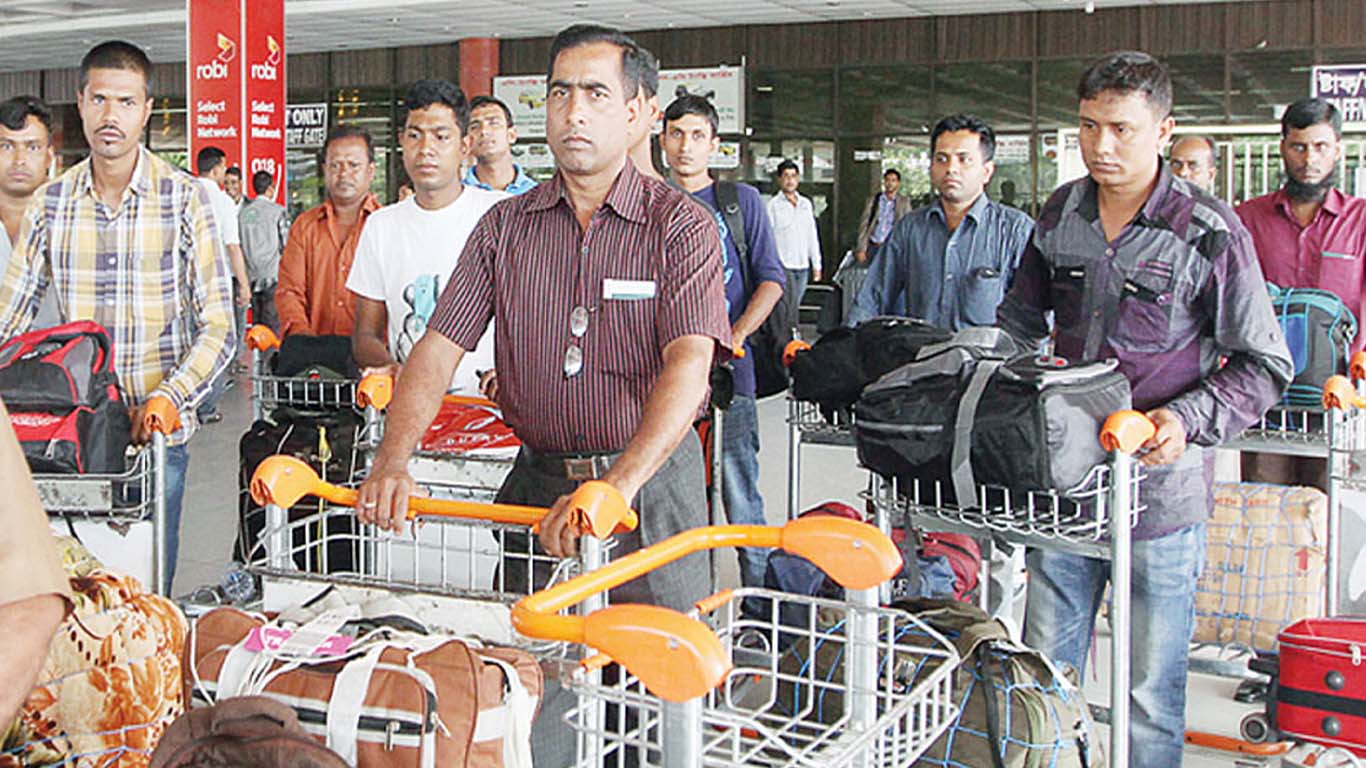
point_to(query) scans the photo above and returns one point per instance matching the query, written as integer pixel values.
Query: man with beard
(1308, 235)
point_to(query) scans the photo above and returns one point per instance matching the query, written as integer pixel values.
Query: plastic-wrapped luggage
(972, 411)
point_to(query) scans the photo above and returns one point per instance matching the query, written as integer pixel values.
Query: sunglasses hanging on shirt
(573, 354)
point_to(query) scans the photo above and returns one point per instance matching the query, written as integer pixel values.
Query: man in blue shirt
(752, 290)
(950, 262)
(491, 138)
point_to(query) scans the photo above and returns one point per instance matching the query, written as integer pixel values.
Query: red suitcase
(1321, 686)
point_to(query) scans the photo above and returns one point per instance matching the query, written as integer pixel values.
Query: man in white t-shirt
(408, 250)
(212, 166)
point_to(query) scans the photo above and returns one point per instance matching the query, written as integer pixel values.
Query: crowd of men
(594, 306)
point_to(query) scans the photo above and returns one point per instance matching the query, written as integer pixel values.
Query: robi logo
(214, 70)
(266, 70)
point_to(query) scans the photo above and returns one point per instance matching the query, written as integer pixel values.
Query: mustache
(110, 127)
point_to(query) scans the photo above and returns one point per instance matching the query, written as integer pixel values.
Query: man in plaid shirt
(128, 240)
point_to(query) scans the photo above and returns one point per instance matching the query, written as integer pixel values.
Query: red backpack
(961, 551)
(64, 399)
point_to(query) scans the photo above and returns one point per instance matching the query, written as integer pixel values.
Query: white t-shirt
(224, 211)
(404, 257)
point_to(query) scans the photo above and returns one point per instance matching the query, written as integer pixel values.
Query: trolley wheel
(1255, 728)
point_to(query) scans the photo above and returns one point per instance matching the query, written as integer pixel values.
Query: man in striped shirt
(127, 240)
(608, 294)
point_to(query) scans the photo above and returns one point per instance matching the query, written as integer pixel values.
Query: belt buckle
(581, 469)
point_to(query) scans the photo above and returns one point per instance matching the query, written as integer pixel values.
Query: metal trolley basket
(1094, 519)
(120, 518)
(717, 687)
(269, 391)
(456, 582)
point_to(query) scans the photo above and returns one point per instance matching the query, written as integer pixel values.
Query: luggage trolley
(711, 688)
(806, 425)
(297, 560)
(1094, 519)
(120, 518)
(1345, 401)
(269, 391)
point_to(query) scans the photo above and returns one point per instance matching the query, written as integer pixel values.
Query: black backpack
(767, 343)
(64, 399)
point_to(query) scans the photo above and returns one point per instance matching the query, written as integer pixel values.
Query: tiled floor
(210, 524)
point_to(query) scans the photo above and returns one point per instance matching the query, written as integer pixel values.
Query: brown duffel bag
(247, 730)
(393, 699)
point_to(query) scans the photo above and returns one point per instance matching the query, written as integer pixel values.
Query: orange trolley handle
(376, 389)
(597, 507)
(1339, 392)
(160, 415)
(1126, 431)
(676, 656)
(793, 348)
(1356, 368)
(261, 338)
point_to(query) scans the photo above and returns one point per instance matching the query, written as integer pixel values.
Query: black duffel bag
(64, 399)
(1040, 432)
(841, 363)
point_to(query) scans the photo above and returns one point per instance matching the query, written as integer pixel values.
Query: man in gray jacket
(264, 227)
(880, 214)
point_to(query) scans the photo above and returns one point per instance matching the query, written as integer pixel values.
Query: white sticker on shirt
(627, 290)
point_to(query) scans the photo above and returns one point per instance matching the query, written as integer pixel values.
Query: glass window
(1263, 83)
(1197, 88)
(792, 103)
(166, 132)
(998, 93)
(1058, 92)
(885, 100)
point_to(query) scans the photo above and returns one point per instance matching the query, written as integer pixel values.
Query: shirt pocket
(1068, 288)
(1143, 323)
(625, 340)
(981, 291)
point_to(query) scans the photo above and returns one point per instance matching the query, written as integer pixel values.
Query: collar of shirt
(521, 182)
(369, 205)
(1150, 215)
(976, 212)
(140, 184)
(625, 198)
(780, 197)
(1332, 204)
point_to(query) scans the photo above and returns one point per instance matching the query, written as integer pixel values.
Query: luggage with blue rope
(1319, 328)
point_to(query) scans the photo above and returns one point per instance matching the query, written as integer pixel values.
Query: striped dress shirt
(648, 270)
(151, 271)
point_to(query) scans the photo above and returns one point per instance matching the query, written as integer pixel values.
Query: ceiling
(55, 33)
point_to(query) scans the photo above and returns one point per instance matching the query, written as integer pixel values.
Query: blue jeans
(740, 482)
(1065, 591)
(797, 280)
(177, 461)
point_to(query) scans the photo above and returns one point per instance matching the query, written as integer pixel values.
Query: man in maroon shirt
(1308, 235)
(608, 294)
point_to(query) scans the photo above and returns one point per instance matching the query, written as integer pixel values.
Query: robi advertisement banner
(236, 77)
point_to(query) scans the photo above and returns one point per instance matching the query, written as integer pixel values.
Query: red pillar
(478, 65)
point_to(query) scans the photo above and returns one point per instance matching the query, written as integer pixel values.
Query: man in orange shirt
(311, 297)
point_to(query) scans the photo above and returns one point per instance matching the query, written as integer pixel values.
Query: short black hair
(1129, 72)
(892, 172)
(208, 159)
(261, 181)
(692, 105)
(16, 111)
(234, 171)
(971, 123)
(649, 73)
(1307, 112)
(483, 101)
(425, 93)
(350, 132)
(117, 54)
(633, 61)
(788, 165)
